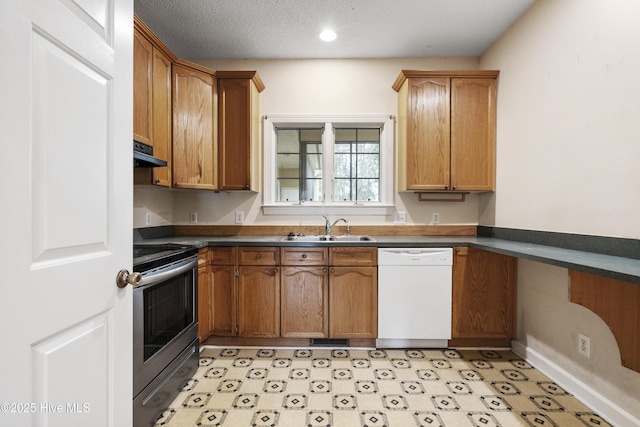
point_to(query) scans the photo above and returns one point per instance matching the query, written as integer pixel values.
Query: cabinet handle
(304, 256)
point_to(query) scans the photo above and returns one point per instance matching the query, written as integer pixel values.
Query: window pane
(288, 141)
(368, 165)
(368, 189)
(356, 162)
(312, 190)
(288, 190)
(342, 165)
(288, 166)
(299, 164)
(342, 190)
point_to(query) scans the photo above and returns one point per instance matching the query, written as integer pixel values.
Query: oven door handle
(168, 274)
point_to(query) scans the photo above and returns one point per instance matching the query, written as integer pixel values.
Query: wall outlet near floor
(239, 217)
(584, 345)
(435, 218)
(193, 217)
(147, 218)
(400, 218)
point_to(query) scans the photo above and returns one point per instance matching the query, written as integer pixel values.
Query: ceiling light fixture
(328, 35)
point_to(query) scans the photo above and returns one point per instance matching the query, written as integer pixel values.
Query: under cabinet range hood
(143, 156)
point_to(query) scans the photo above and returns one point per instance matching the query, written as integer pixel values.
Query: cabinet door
(223, 300)
(234, 100)
(162, 116)
(304, 301)
(473, 130)
(353, 302)
(194, 146)
(142, 83)
(484, 294)
(204, 314)
(427, 144)
(259, 301)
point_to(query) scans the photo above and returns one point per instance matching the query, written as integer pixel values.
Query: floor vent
(329, 342)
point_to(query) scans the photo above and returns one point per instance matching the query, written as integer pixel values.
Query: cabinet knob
(304, 256)
(258, 256)
(324, 270)
(157, 181)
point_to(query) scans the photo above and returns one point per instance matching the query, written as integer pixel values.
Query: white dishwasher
(414, 297)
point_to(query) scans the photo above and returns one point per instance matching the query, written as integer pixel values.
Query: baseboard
(587, 395)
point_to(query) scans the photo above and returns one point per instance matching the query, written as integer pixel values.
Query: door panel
(66, 120)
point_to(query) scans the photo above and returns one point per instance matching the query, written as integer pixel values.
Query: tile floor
(249, 387)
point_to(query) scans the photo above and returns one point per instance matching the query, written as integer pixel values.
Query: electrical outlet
(193, 217)
(147, 218)
(435, 218)
(400, 218)
(239, 217)
(584, 345)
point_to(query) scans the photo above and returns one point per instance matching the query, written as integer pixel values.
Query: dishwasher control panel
(415, 256)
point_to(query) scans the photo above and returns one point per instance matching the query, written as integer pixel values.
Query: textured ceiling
(270, 29)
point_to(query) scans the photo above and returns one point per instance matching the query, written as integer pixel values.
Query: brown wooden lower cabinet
(222, 282)
(259, 301)
(484, 297)
(353, 302)
(304, 299)
(217, 300)
(301, 297)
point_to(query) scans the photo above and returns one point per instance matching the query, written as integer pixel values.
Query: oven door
(165, 319)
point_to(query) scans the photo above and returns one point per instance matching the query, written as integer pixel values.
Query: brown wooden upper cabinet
(152, 97)
(239, 129)
(446, 130)
(194, 140)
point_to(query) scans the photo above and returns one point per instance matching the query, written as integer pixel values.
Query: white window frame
(383, 207)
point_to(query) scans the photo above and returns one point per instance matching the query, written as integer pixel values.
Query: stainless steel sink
(328, 239)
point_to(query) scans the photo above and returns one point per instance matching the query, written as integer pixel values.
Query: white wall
(320, 87)
(568, 119)
(568, 148)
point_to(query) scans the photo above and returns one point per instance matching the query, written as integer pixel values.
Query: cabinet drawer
(259, 255)
(305, 256)
(203, 257)
(223, 255)
(353, 256)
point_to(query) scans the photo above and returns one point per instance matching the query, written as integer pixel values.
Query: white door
(65, 212)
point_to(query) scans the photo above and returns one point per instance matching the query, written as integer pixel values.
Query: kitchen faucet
(328, 227)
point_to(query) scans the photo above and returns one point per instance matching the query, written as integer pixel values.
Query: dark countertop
(616, 267)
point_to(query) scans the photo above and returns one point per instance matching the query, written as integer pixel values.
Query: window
(328, 164)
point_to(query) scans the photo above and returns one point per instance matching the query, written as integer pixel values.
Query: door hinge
(237, 272)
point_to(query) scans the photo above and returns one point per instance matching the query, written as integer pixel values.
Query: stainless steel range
(165, 327)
